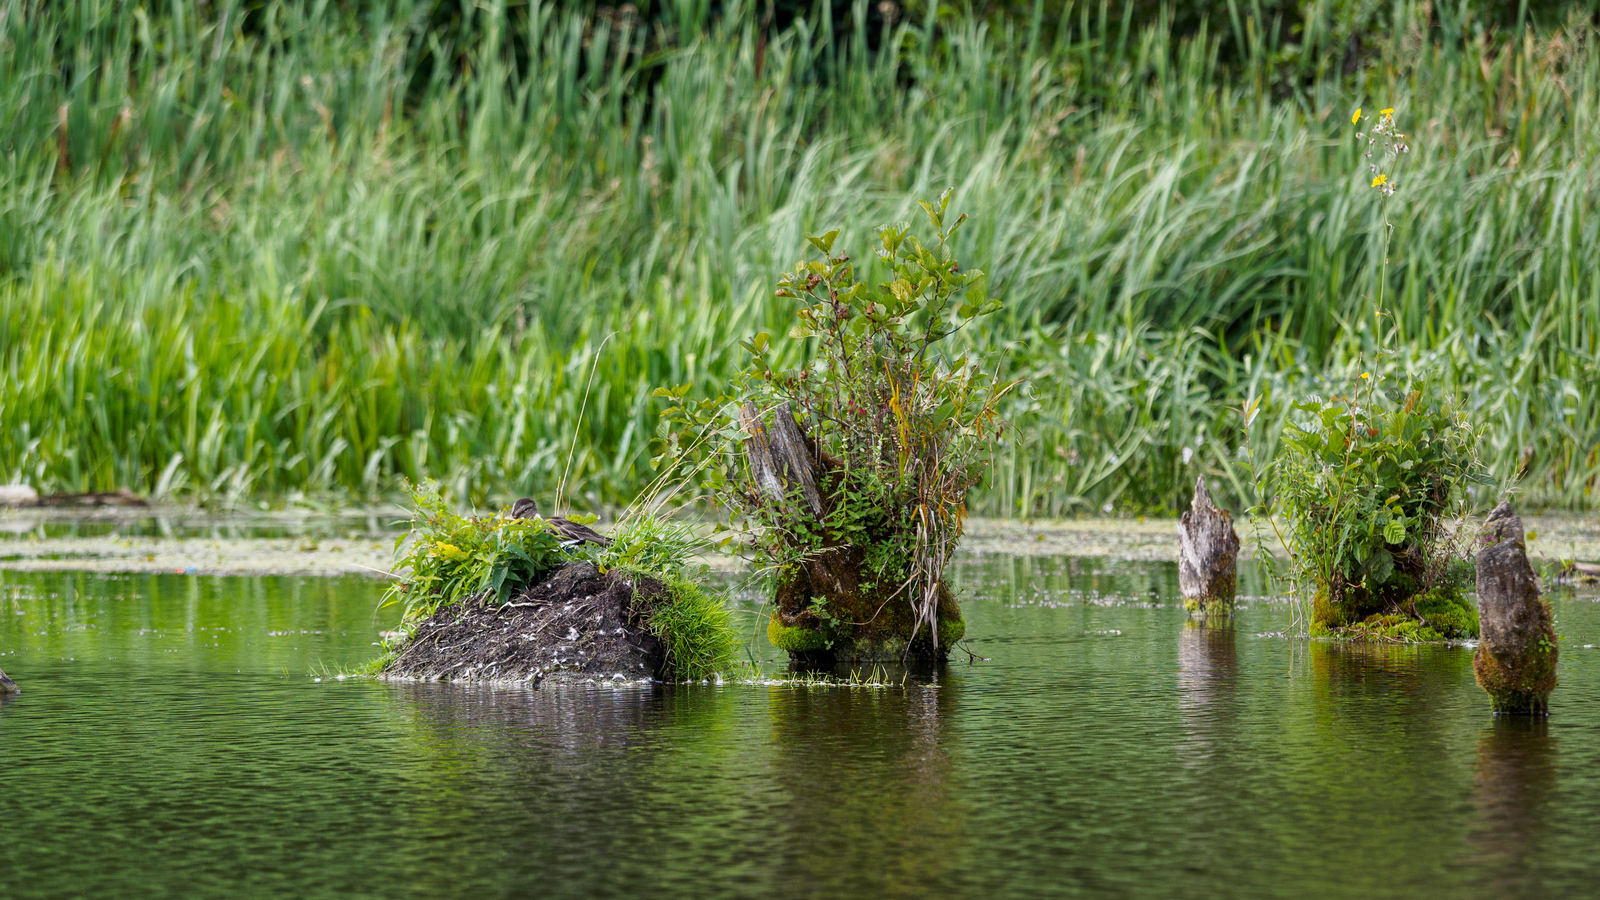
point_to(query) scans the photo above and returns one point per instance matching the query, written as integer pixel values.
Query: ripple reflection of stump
(867, 806)
(1208, 668)
(1513, 781)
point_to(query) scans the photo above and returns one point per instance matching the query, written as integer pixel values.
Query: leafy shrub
(1367, 484)
(452, 557)
(898, 426)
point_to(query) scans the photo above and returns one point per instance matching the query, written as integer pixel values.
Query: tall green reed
(306, 259)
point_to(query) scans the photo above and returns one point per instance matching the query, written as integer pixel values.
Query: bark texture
(1516, 657)
(860, 620)
(1208, 551)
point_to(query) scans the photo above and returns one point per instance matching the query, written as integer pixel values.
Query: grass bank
(307, 256)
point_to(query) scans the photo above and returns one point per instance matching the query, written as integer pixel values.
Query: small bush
(899, 423)
(1366, 485)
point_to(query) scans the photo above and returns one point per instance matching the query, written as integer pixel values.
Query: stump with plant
(1371, 489)
(852, 466)
(1370, 482)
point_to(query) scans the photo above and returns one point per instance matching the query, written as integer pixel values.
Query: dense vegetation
(855, 467)
(284, 249)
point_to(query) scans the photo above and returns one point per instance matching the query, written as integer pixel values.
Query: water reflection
(172, 737)
(865, 780)
(1208, 667)
(1514, 779)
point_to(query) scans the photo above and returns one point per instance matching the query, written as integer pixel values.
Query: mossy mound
(574, 625)
(1442, 614)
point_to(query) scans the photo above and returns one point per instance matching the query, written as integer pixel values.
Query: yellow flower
(1365, 375)
(1357, 117)
(1386, 112)
(1379, 180)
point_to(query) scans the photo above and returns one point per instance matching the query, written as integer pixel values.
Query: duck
(526, 508)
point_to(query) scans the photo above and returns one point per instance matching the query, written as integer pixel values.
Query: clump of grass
(691, 620)
(696, 628)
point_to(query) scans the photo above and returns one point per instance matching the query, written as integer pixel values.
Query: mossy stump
(1517, 653)
(860, 626)
(1208, 551)
(828, 607)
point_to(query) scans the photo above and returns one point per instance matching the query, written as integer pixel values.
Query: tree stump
(1208, 550)
(7, 686)
(857, 620)
(1516, 657)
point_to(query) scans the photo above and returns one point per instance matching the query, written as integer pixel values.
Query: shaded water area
(173, 738)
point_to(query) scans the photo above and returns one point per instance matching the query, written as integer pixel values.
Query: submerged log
(1516, 657)
(1208, 550)
(7, 686)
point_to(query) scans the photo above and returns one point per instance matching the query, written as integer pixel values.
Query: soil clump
(574, 625)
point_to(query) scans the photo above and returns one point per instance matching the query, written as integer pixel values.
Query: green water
(173, 739)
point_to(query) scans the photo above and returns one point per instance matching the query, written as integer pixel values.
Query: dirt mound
(575, 625)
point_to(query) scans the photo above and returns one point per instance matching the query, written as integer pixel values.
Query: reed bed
(291, 253)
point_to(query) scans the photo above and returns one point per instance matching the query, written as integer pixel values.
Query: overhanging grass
(303, 261)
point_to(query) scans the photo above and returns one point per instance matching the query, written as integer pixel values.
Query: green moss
(794, 638)
(1209, 607)
(886, 646)
(1449, 612)
(1441, 614)
(951, 630)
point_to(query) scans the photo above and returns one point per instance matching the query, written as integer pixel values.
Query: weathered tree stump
(1208, 550)
(858, 619)
(7, 686)
(1516, 658)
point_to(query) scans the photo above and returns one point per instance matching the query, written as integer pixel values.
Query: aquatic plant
(857, 489)
(448, 557)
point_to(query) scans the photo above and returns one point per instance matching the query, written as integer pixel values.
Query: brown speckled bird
(568, 529)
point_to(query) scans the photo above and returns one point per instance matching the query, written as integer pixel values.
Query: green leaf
(823, 242)
(1395, 531)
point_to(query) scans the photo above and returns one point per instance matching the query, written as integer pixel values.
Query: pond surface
(173, 739)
